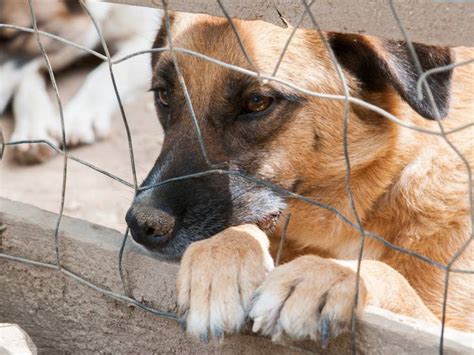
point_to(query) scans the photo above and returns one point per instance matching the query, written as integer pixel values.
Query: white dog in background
(23, 74)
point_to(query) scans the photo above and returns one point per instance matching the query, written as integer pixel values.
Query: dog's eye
(164, 97)
(257, 103)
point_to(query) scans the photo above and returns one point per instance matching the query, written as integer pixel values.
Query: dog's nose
(150, 226)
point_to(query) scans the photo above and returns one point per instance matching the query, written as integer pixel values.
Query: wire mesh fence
(353, 220)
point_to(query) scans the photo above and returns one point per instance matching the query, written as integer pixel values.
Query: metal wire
(182, 83)
(347, 99)
(121, 270)
(71, 157)
(290, 37)
(433, 104)
(281, 245)
(345, 147)
(128, 133)
(351, 99)
(239, 38)
(437, 70)
(63, 132)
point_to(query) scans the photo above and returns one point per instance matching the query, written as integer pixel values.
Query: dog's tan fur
(409, 187)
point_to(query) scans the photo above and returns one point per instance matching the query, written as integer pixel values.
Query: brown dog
(408, 187)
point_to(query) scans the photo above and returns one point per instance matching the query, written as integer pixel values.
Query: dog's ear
(378, 63)
(161, 38)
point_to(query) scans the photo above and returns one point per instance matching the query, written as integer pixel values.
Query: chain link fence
(307, 13)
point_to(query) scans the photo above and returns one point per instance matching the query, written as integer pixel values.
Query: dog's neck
(374, 189)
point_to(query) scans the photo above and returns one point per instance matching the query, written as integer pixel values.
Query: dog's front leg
(36, 117)
(313, 297)
(88, 116)
(217, 279)
(10, 76)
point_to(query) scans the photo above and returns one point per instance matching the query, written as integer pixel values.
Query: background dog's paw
(36, 128)
(309, 297)
(217, 279)
(86, 122)
(36, 118)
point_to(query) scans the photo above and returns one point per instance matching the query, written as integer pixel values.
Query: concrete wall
(434, 22)
(62, 314)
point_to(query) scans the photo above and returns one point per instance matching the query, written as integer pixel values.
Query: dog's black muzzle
(149, 226)
(166, 216)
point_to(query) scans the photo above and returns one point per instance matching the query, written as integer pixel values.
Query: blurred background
(89, 194)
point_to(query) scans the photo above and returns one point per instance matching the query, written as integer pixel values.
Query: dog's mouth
(162, 239)
(169, 235)
(162, 243)
(268, 223)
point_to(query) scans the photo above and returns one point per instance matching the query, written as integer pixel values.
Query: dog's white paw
(10, 77)
(86, 121)
(31, 153)
(36, 118)
(309, 297)
(217, 279)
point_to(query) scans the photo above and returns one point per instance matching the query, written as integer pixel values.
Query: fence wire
(214, 168)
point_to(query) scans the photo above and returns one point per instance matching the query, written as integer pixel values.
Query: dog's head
(264, 128)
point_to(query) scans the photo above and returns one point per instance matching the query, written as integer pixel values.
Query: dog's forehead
(305, 61)
(211, 36)
(300, 57)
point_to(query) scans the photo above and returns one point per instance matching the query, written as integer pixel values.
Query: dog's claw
(325, 332)
(182, 323)
(277, 335)
(257, 324)
(204, 337)
(218, 334)
(254, 298)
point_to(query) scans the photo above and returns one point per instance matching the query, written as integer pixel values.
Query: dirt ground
(89, 194)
